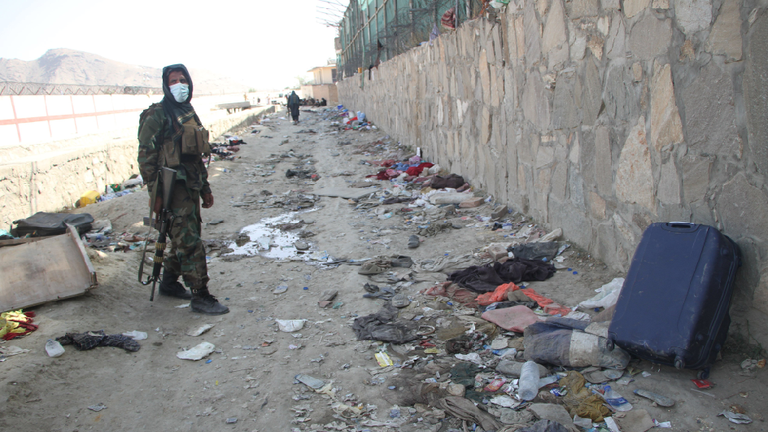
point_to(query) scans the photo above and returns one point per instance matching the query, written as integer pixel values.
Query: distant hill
(66, 66)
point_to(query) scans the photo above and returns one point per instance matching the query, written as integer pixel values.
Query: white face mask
(180, 92)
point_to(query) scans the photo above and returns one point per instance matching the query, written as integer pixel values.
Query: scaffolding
(374, 31)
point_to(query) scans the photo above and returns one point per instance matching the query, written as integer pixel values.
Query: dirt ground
(247, 383)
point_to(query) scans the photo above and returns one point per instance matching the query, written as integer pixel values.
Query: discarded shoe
(400, 301)
(413, 242)
(207, 304)
(370, 268)
(171, 287)
(402, 261)
(384, 293)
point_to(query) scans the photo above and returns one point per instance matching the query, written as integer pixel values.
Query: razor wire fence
(373, 31)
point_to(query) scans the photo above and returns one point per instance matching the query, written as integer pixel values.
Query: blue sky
(261, 43)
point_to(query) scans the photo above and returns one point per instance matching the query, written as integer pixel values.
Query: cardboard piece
(50, 268)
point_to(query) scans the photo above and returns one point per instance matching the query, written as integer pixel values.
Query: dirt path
(250, 376)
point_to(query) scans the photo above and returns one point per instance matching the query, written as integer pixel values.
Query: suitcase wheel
(679, 362)
(703, 374)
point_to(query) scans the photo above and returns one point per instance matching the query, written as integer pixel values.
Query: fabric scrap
(515, 318)
(464, 409)
(89, 340)
(383, 327)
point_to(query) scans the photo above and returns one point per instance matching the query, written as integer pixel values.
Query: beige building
(323, 84)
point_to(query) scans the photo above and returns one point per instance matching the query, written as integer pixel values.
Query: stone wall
(56, 178)
(598, 116)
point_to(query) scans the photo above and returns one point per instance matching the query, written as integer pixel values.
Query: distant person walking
(293, 105)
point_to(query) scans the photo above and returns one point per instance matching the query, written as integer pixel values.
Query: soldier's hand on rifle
(207, 200)
(158, 205)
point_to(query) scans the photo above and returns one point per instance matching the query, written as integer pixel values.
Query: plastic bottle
(528, 385)
(53, 348)
(615, 400)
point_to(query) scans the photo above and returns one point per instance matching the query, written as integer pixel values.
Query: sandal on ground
(413, 242)
(400, 301)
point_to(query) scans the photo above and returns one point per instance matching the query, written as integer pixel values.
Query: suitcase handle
(680, 226)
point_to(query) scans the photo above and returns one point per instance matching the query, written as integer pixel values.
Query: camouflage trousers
(187, 254)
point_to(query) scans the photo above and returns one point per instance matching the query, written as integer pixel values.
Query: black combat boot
(171, 287)
(203, 302)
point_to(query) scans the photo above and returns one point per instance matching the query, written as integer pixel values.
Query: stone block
(544, 156)
(576, 226)
(725, 37)
(696, 171)
(497, 250)
(591, 95)
(532, 35)
(637, 71)
(554, 29)
(472, 202)
(634, 7)
(582, 8)
(756, 92)
(669, 184)
(616, 42)
(485, 78)
(596, 44)
(520, 36)
(603, 161)
(693, 15)
(660, 4)
(743, 208)
(634, 176)
(485, 125)
(535, 102)
(596, 206)
(560, 181)
(566, 112)
(608, 248)
(710, 115)
(541, 197)
(619, 96)
(666, 126)
(576, 189)
(542, 6)
(650, 37)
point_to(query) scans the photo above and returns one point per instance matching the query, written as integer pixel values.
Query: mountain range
(66, 66)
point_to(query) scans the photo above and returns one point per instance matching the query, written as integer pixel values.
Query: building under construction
(374, 31)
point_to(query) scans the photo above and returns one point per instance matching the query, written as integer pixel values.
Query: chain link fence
(374, 31)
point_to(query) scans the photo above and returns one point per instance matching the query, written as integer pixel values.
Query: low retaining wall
(58, 176)
(599, 117)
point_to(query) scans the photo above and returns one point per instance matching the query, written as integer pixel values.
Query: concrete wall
(49, 177)
(327, 91)
(32, 119)
(598, 116)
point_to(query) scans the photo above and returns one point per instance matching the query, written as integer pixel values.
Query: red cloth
(385, 163)
(385, 174)
(544, 302)
(497, 295)
(415, 171)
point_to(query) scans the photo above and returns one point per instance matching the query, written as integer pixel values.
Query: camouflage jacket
(153, 134)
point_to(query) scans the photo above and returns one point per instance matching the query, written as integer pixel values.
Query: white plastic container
(54, 348)
(528, 385)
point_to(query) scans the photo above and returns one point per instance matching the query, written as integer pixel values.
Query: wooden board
(52, 268)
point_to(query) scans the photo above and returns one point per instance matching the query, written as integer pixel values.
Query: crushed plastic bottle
(529, 381)
(614, 399)
(54, 348)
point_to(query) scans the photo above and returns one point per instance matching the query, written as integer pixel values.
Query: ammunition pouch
(194, 139)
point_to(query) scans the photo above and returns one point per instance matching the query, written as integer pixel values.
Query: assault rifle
(168, 177)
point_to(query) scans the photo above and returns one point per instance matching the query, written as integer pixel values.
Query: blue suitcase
(673, 306)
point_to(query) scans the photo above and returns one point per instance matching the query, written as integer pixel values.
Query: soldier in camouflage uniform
(164, 135)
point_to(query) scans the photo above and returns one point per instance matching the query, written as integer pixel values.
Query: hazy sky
(260, 43)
